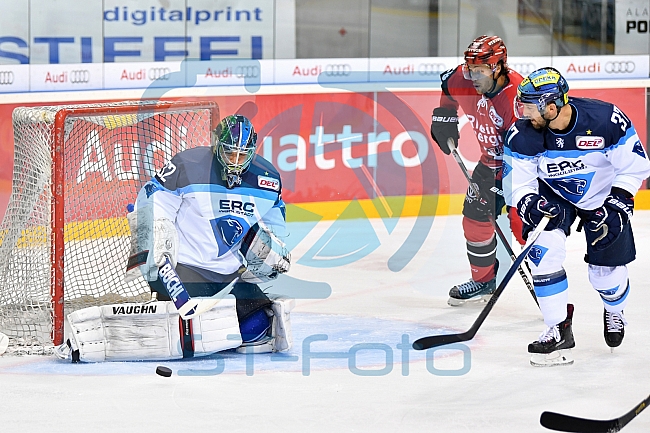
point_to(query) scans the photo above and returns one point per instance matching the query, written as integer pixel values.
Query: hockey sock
(481, 249)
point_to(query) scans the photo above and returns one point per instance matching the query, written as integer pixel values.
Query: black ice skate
(473, 291)
(553, 347)
(614, 324)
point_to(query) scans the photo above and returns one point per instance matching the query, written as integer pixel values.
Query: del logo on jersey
(268, 183)
(589, 142)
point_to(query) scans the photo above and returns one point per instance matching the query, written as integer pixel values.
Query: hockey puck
(163, 371)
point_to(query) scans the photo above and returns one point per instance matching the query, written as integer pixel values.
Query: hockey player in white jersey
(216, 214)
(573, 158)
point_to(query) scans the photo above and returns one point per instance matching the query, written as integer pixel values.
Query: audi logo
(626, 67)
(250, 71)
(79, 76)
(338, 70)
(159, 73)
(431, 68)
(6, 77)
(523, 68)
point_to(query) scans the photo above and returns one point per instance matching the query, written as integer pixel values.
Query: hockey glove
(533, 207)
(604, 224)
(516, 225)
(444, 125)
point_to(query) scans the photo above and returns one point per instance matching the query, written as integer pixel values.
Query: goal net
(64, 239)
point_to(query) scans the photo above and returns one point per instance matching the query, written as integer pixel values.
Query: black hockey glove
(604, 224)
(533, 207)
(444, 125)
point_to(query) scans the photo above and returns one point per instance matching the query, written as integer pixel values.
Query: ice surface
(363, 377)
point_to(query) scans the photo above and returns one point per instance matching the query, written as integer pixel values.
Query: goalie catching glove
(266, 256)
(444, 125)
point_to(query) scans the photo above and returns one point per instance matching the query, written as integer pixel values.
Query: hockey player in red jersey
(485, 89)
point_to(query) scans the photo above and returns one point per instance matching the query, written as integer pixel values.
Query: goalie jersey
(211, 220)
(600, 149)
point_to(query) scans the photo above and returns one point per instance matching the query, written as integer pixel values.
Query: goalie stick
(441, 340)
(187, 306)
(497, 229)
(560, 422)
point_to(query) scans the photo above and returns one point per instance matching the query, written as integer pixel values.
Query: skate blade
(455, 302)
(558, 357)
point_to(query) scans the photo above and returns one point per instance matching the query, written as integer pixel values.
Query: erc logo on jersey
(228, 230)
(572, 188)
(590, 142)
(268, 183)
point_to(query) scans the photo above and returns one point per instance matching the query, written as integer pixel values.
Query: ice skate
(472, 291)
(614, 328)
(553, 347)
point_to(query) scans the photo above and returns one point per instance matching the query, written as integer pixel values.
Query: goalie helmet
(485, 50)
(541, 87)
(234, 142)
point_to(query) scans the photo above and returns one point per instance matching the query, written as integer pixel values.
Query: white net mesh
(107, 156)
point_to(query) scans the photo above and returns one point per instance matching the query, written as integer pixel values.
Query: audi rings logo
(80, 76)
(431, 68)
(249, 71)
(523, 68)
(623, 67)
(159, 73)
(338, 70)
(6, 77)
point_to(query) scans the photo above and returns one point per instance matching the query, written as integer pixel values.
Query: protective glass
(477, 72)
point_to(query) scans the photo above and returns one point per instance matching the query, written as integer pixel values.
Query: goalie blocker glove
(444, 125)
(604, 224)
(533, 207)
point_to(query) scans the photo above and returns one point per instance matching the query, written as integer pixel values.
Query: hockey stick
(497, 229)
(187, 306)
(559, 422)
(441, 340)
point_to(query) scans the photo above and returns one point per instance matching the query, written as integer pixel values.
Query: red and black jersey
(491, 115)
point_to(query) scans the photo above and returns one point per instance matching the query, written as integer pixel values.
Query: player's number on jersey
(167, 169)
(619, 117)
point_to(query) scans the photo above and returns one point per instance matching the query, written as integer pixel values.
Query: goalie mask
(234, 142)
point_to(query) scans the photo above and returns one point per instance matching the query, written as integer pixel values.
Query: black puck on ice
(163, 371)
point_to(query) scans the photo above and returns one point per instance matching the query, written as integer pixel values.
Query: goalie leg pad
(150, 331)
(281, 337)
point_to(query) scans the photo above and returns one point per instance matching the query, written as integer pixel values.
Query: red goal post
(64, 236)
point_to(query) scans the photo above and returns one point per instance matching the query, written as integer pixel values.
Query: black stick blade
(566, 423)
(425, 343)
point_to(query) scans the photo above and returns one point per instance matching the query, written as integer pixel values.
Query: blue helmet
(234, 142)
(541, 87)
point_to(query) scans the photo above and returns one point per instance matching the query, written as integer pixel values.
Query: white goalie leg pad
(281, 338)
(281, 327)
(150, 331)
(265, 254)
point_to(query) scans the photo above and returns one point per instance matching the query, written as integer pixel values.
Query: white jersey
(211, 219)
(600, 149)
